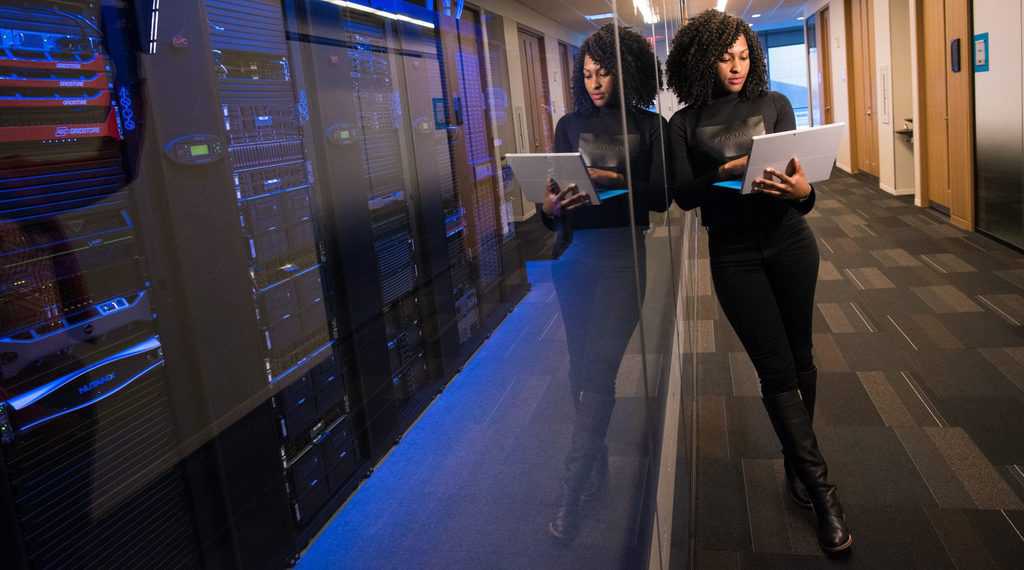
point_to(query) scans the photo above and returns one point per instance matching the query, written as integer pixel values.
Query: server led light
(381, 13)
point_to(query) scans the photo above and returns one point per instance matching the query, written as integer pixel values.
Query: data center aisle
(474, 483)
(920, 347)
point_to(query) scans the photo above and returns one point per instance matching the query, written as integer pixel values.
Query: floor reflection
(476, 481)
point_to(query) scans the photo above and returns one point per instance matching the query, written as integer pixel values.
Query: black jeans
(596, 284)
(765, 280)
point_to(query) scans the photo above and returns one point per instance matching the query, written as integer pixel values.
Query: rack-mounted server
(87, 435)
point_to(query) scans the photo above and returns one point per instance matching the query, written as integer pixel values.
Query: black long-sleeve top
(704, 138)
(598, 137)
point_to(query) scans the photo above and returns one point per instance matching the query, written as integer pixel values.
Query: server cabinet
(404, 155)
(349, 74)
(208, 331)
(257, 326)
(88, 440)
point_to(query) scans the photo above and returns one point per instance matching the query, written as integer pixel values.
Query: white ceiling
(774, 13)
(571, 13)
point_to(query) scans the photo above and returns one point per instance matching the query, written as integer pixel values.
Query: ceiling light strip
(381, 13)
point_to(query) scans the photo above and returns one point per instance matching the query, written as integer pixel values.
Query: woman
(764, 257)
(594, 279)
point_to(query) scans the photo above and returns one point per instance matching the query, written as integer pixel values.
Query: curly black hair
(696, 48)
(640, 67)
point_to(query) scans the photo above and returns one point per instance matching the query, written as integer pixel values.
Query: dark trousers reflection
(596, 284)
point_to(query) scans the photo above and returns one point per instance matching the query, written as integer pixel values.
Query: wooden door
(825, 64)
(932, 93)
(960, 115)
(861, 33)
(535, 84)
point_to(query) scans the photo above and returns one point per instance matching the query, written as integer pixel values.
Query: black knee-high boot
(593, 412)
(792, 424)
(807, 382)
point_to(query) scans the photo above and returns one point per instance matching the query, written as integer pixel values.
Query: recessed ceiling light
(756, 16)
(800, 18)
(604, 16)
(720, 6)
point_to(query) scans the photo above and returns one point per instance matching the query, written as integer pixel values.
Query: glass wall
(268, 273)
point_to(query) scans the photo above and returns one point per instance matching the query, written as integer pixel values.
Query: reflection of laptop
(816, 148)
(532, 171)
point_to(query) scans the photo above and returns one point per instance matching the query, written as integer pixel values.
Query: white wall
(893, 96)
(840, 91)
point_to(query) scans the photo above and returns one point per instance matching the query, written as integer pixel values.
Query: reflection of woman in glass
(594, 279)
(764, 257)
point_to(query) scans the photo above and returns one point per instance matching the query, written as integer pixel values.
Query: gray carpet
(920, 347)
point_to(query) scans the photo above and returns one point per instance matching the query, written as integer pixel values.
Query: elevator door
(999, 119)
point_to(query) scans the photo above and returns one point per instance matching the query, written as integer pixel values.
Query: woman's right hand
(559, 200)
(733, 169)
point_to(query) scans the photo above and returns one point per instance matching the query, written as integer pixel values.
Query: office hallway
(920, 347)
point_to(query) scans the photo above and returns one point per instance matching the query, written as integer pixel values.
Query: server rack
(246, 243)
(296, 225)
(375, 238)
(81, 360)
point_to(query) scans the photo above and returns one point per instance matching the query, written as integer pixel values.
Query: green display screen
(200, 149)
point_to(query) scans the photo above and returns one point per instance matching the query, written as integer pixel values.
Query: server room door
(472, 144)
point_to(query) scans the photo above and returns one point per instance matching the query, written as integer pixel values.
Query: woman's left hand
(790, 185)
(604, 177)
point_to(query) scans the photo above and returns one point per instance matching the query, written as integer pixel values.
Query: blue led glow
(303, 106)
(32, 396)
(127, 110)
(99, 398)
